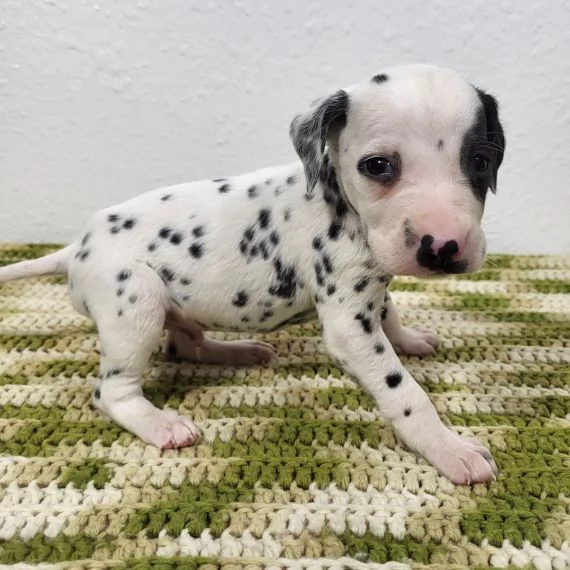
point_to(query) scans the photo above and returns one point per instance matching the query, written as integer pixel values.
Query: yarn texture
(296, 468)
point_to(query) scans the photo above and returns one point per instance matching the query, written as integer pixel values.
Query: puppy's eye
(377, 167)
(480, 164)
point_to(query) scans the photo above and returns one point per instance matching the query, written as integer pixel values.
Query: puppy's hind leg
(129, 306)
(186, 345)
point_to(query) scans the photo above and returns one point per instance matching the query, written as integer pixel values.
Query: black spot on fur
(245, 319)
(240, 299)
(97, 393)
(164, 232)
(186, 298)
(249, 233)
(219, 180)
(252, 191)
(440, 144)
(151, 246)
(129, 224)
(384, 313)
(334, 230)
(365, 321)
(243, 247)
(341, 208)
(361, 285)
(286, 285)
(166, 274)
(176, 238)
(264, 218)
(85, 239)
(113, 218)
(274, 238)
(254, 250)
(124, 275)
(287, 214)
(114, 372)
(120, 313)
(196, 250)
(291, 180)
(166, 197)
(379, 348)
(120, 292)
(407, 411)
(115, 230)
(266, 315)
(327, 263)
(132, 298)
(331, 289)
(317, 243)
(82, 255)
(224, 188)
(380, 78)
(264, 250)
(268, 181)
(184, 281)
(393, 379)
(198, 231)
(319, 274)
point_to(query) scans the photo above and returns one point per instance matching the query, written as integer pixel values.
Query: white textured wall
(100, 100)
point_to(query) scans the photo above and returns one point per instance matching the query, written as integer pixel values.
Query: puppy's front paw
(463, 461)
(413, 342)
(165, 429)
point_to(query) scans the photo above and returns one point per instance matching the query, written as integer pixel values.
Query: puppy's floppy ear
(495, 133)
(309, 132)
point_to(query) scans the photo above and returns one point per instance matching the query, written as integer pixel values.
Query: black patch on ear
(309, 133)
(380, 78)
(487, 135)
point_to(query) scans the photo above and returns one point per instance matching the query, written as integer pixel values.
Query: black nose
(440, 260)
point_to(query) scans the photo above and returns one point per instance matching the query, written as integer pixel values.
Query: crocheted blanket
(296, 468)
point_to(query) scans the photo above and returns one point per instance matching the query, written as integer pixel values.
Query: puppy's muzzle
(439, 256)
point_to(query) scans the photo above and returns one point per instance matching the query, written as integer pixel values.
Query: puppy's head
(416, 150)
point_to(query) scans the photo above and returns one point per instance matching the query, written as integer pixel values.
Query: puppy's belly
(259, 314)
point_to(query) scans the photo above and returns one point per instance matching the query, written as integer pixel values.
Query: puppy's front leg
(353, 334)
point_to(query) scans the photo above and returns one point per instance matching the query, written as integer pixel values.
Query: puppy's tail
(53, 263)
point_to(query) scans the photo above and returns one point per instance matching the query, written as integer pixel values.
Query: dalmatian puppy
(392, 180)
